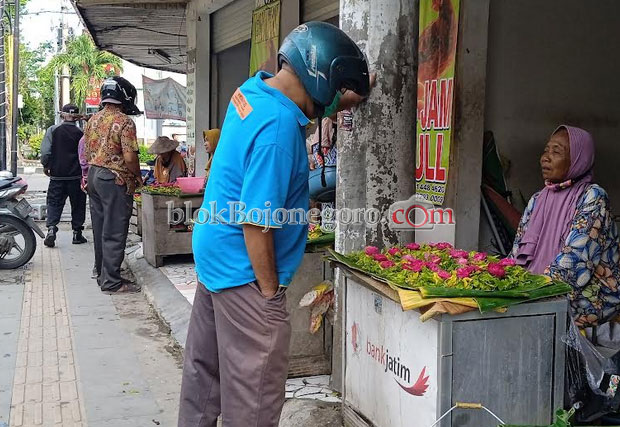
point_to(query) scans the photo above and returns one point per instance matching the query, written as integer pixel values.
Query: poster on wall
(93, 96)
(435, 104)
(164, 99)
(265, 38)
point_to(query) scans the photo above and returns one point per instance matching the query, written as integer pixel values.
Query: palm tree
(87, 65)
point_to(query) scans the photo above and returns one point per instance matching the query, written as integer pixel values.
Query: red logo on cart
(420, 386)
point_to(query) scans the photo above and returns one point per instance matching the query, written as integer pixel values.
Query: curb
(29, 169)
(169, 304)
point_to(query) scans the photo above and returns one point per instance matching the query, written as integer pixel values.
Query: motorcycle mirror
(6, 175)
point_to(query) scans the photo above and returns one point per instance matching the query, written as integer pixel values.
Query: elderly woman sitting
(169, 164)
(567, 230)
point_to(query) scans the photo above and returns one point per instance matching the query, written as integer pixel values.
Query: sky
(41, 17)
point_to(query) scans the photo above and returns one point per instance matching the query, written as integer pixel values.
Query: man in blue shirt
(251, 232)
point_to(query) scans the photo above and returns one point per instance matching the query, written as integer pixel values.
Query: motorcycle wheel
(15, 227)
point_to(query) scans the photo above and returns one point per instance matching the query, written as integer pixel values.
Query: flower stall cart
(165, 232)
(428, 326)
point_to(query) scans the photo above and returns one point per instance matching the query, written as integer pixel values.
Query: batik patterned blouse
(108, 135)
(589, 260)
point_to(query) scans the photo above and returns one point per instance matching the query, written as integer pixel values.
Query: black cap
(71, 109)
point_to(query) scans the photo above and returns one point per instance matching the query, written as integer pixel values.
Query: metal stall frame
(557, 309)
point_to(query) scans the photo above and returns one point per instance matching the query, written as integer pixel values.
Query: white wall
(552, 62)
(148, 129)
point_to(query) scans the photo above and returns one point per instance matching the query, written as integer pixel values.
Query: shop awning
(148, 33)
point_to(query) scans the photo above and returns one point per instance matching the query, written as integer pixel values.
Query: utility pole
(65, 88)
(15, 96)
(56, 77)
(2, 93)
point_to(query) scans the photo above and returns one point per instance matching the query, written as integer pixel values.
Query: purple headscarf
(555, 206)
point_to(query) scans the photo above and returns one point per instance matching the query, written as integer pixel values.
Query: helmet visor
(351, 73)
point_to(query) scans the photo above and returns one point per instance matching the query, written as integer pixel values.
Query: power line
(49, 11)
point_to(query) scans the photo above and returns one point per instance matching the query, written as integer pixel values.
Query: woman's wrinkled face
(555, 160)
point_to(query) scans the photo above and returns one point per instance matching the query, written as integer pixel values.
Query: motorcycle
(17, 240)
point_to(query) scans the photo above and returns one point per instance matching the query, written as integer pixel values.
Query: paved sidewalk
(45, 385)
(83, 357)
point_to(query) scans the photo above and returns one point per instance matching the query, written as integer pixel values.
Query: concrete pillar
(376, 163)
(465, 174)
(289, 16)
(198, 78)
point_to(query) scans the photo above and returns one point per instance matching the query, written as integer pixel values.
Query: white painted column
(198, 79)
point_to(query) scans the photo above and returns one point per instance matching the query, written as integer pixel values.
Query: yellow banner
(265, 38)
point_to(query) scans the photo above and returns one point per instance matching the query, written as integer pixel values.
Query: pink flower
(480, 256)
(443, 245)
(432, 245)
(444, 274)
(464, 272)
(462, 261)
(413, 246)
(394, 251)
(386, 264)
(409, 267)
(410, 258)
(371, 250)
(432, 267)
(497, 270)
(435, 259)
(457, 253)
(417, 265)
(380, 257)
(507, 262)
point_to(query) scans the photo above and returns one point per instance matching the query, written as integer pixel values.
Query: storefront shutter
(319, 10)
(232, 24)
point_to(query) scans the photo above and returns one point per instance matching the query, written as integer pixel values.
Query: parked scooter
(17, 227)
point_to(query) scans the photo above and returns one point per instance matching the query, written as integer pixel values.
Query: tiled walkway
(183, 277)
(45, 386)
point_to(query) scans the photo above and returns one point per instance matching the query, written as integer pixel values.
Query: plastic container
(317, 191)
(191, 184)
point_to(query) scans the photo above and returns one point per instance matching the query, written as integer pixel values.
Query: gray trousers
(236, 359)
(110, 211)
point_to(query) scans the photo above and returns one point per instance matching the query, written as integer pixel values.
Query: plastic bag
(321, 300)
(316, 293)
(596, 365)
(590, 377)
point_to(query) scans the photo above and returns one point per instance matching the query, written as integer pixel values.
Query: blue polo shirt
(259, 175)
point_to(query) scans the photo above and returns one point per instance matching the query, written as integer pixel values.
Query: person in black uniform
(60, 160)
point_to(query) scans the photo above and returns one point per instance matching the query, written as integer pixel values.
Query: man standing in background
(111, 149)
(59, 157)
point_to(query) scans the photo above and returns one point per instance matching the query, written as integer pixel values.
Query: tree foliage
(85, 63)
